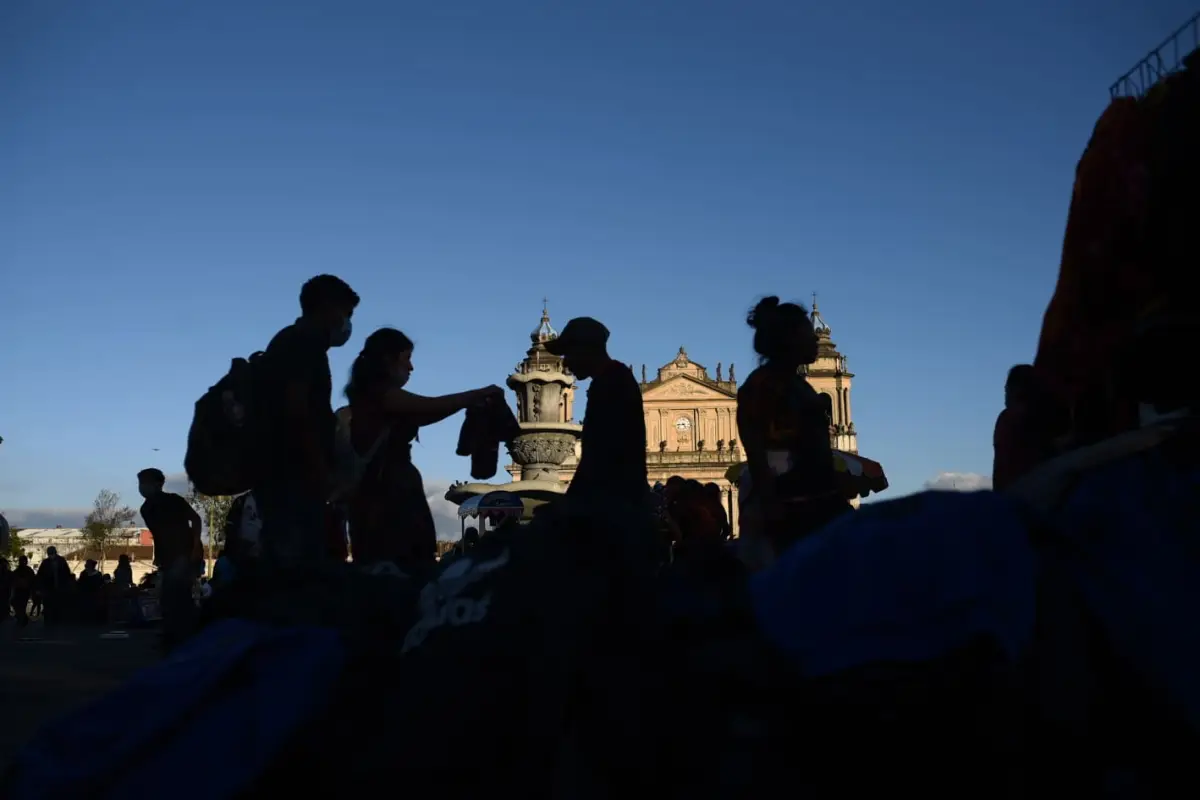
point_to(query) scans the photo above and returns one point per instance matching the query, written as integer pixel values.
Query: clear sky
(172, 171)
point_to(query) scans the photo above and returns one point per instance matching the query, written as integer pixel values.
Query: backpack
(224, 440)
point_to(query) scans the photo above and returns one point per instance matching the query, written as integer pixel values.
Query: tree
(214, 511)
(15, 548)
(106, 518)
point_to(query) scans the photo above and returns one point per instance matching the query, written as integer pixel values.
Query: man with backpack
(297, 424)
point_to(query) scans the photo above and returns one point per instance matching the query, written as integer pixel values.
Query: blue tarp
(903, 581)
(244, 686)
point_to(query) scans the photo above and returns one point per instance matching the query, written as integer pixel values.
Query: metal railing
(1163, 60)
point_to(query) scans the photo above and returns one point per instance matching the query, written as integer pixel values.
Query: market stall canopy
(492, 506)
(470, 507)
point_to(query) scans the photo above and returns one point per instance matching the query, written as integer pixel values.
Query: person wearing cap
(613, 462)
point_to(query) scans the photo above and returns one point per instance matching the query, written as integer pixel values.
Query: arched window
(827, 402)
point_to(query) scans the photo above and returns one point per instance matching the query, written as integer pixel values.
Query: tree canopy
(106, 517)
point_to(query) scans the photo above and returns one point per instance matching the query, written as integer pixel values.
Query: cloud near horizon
(45, 517)
(445, 513)
(959, 482)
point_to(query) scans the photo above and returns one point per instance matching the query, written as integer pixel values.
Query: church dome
(818, 322)
(543, 332)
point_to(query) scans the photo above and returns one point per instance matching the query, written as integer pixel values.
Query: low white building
(70, 545)
(66, 540)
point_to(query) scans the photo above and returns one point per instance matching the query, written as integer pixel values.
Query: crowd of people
(325, 484)
(53, 592)
(1037, 640)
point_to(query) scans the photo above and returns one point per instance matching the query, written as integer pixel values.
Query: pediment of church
(683, 386)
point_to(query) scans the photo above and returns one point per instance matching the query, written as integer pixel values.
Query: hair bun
(764, 308)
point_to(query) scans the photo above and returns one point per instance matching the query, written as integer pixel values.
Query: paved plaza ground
(45, 673)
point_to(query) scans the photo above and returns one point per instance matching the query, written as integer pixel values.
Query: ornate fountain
(545, 454)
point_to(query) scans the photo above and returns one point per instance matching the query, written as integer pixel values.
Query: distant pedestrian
(6, 582)
(123, 574)
(175, 526)
(54, 583)
(23, 581)
(1026, 429)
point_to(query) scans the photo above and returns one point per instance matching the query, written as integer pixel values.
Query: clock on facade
(683, 424)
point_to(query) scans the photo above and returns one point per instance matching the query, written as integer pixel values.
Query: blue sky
(171, 172)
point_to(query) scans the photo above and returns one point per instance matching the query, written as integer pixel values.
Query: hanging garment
(485, 427)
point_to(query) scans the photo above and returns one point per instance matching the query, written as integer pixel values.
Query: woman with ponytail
(784, 429)
(389, 516)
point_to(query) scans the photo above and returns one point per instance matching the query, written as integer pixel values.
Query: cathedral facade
(691, 425)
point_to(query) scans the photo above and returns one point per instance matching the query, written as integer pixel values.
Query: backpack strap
(352, 465)
(380, 440)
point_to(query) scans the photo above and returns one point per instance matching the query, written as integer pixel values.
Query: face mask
(339, 338)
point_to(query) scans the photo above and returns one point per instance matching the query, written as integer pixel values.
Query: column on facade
(734, 514)
(727, 501)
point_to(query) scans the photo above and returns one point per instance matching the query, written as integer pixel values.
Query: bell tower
(830, 377)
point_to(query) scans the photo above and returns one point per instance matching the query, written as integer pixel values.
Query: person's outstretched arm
(422, 410)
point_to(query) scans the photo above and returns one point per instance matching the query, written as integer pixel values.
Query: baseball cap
(581, 332)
